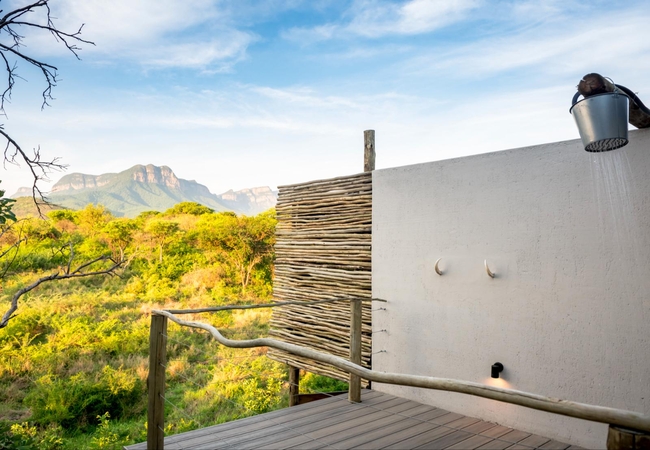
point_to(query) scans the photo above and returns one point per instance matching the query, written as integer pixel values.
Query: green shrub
(311, 383)
(74, 403)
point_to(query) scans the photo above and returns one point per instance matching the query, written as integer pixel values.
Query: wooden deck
(379, 421)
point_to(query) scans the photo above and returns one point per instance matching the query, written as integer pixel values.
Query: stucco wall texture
(567, 234)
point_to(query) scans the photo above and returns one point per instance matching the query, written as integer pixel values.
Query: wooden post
(620, 438)
(156, 383)
(354, 393)
(294, 385)
(369, 150)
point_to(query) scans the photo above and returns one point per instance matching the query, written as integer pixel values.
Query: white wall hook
(487, 269)
(438, 271)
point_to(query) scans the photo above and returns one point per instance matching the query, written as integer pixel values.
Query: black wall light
(497, 368)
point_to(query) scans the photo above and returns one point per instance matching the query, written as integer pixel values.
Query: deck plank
(471, 443)
(338, 426)
(533, 441)
(505, 440)
(481, 427)
(405, 420)
(554, 445)
(398, 436)
(497, 431)
(334, 425)
(277, 424)
(447, 440)
(379, 421)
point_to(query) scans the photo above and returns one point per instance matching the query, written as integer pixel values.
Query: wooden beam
(294, 386)
(354, 394)
(622, 418)
(156, 382)
(623, 439)
(369, 150)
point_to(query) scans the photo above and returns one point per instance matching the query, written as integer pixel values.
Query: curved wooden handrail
(612, 416)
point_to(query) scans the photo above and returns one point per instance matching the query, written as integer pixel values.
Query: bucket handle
(577, 94)
(619, 90)
(575, 99)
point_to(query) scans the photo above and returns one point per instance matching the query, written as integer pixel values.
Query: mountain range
(150, 188)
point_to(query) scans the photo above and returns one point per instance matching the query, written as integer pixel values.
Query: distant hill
(24, 206)
(250, 201)
(150, 188)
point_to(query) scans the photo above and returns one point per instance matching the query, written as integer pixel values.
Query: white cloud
(413, 17)
(377, 18)
(120, 23)
(591, 44)
(154, 33)
(223, 53)
(306, 97)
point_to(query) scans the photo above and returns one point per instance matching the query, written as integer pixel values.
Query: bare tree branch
(35, 16)
(67, 273)
(40, 169)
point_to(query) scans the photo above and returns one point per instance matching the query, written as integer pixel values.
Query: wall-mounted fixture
(603, 114)
(487, 269)
(497, 368)
(436, 268)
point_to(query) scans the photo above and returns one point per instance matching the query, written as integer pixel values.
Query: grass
(73, 368)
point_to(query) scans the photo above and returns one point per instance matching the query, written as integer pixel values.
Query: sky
(243, 93)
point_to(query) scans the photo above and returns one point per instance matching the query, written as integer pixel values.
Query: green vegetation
(5, 208)
(74, 360)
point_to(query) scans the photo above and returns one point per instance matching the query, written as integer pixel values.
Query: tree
(241, 242)
(28, 20)
(119, 234)
(192, 208)
(16, 25)
(92, 219)
(5, 208)
(162, 232)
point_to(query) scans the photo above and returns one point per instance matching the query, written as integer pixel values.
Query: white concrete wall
(567, 233)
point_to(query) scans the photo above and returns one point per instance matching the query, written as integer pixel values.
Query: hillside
(150, 188)
(250, 201)
(24, 207)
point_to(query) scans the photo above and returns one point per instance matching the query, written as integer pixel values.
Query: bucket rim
(597, 95)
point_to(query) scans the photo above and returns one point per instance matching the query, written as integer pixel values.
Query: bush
(310, 383)
(17, 436)
(25, 437)
(75, 403)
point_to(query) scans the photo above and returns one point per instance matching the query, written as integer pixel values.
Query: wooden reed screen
(323, 252)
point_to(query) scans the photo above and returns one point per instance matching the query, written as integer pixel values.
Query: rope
(271, 305)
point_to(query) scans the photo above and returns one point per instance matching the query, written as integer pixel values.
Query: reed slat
(323, 251)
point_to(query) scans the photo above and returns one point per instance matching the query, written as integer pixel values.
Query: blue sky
(243, 93)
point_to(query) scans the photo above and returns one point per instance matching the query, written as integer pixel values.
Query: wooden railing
(628, 429)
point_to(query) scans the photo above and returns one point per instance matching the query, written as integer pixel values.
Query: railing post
(294, 385)
(620, 438)
(354, 392)
(156, 383)
(369, 150)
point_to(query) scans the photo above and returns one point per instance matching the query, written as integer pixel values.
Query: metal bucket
(602, 121)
